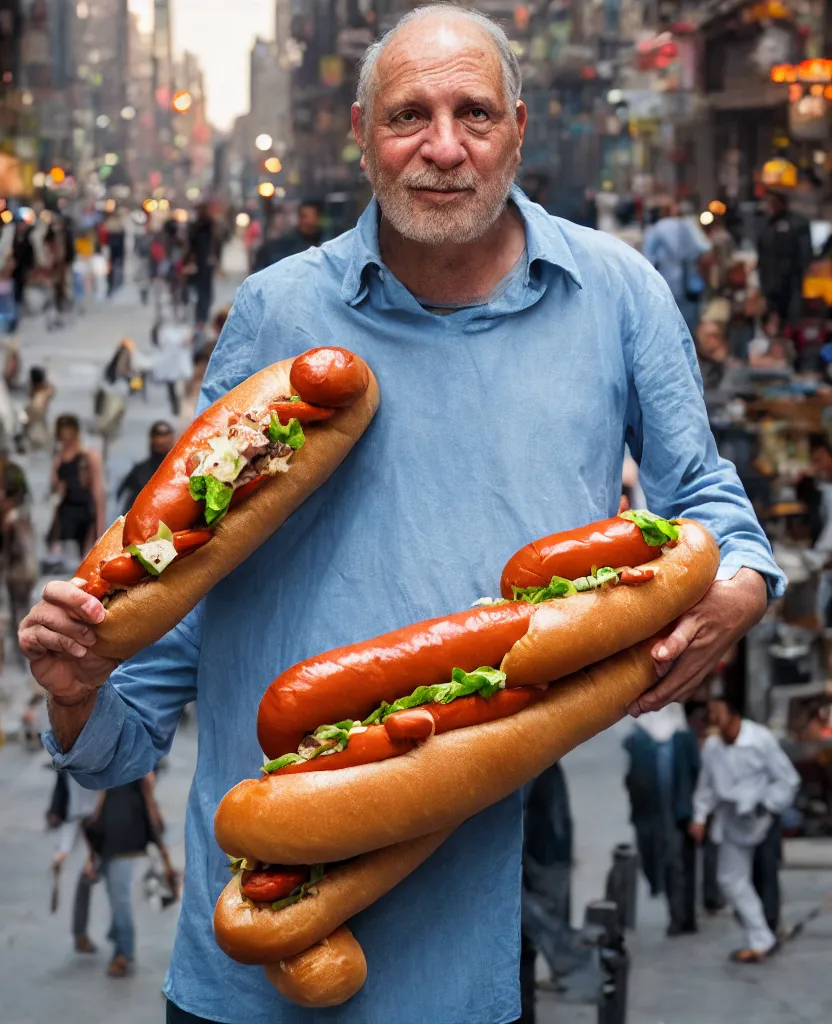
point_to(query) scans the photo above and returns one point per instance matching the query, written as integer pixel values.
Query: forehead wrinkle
(412, 76)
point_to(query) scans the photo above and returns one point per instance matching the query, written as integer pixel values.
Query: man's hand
(56, 636)
(696, 830)
(701, 637)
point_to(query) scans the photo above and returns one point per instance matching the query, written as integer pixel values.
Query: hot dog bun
(145, 612)
(252, 934)
(313, 818)
(565, 635)
(327, 974)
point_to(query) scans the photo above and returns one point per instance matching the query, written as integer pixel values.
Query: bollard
(602, 916)
(622, 883)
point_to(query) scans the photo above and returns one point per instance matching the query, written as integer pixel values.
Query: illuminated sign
(818, 71)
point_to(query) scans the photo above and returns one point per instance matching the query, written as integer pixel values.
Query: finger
(624, 504)
(74, 600)
(59, 621)
(39, 637)
(685, 676)
(673, 646)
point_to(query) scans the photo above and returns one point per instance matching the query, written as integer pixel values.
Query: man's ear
(521, 115)
(355, 118)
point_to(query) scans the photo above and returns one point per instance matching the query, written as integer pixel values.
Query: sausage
(380, 742)
(96, 586)
(415, 724)
(328, 376)
(350, 682)
(272, 884)
(635, 577)
(614, 542)
(303, 412)
(126, 571)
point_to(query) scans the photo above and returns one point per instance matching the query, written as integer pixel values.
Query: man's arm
(133, 717)
(683, 475)
(704, 798)
(784, 779)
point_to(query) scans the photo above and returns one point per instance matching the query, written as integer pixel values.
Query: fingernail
(96, 610)
(662, 652)
(78, 650)
(634, 712)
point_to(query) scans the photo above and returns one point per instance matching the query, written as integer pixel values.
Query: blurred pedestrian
(190, 397)
(125, 822)
(660, 780)
(70, 808)
(36, 432)
(276, 245)
(78, 484)
(308, 232)
(161, 442)
(60, 250)
(142, 272)
(252, 240)
(203, 260)
(784, 254)
(675, 248)
(769, 348)
(123, 376)
(173, 365)
(17, 540)
(746, 782)
(23, 257)
(115, 228)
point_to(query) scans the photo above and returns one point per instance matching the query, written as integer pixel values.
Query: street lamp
(102, 121)
(273, 165)
(264, 142)
(128, 113)
(266, 190)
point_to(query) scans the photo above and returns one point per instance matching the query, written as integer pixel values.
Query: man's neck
(455, 274)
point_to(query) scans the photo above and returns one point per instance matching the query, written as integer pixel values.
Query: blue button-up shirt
(498, 423)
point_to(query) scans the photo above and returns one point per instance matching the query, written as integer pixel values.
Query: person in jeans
(125, 822)
(70, 807)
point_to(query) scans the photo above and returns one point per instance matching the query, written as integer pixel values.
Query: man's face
(710, 341)
(161, 442)
(440, 145)
(822, 463)
(721, 717)
(308, 221)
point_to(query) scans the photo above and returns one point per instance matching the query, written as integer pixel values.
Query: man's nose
(442, 144)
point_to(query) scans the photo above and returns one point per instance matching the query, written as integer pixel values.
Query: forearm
(67, 720)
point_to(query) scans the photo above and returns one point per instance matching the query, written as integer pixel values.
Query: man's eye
(478, 114)
(406, 117)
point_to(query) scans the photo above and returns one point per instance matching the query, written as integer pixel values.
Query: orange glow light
(273, 165)
(58, 175)
(266, 190)
(818, 70)
(182, 101)
(795, 92)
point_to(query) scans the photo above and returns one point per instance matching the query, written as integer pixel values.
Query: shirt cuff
(97, 742)
(768, 569)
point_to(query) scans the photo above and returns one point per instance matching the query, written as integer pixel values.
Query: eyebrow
(469, 100)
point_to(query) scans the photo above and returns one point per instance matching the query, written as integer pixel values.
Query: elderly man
(516, 354)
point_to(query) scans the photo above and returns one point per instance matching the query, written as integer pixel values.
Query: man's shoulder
(601, 256)
(755, 734)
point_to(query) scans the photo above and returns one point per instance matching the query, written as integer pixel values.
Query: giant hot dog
(229, 482)
(426, 757)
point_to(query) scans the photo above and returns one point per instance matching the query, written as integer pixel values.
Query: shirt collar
(545, 243)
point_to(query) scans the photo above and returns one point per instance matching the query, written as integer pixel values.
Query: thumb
(672, 647)
(624, 504)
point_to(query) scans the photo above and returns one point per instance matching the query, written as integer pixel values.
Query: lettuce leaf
(316, 873)
(655, 530)
(291, 434)
(295, 398)
(556, 587)
(216, 495)
(280, 762)
(484, 682)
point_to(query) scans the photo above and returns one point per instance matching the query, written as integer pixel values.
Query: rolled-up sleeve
(669, 436)
(136, 713)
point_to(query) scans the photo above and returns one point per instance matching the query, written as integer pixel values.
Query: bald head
(438, 29)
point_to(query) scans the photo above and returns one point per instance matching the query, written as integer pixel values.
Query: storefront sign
(819, 71)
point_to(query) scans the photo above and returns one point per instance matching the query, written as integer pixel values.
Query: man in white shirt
(745, 781)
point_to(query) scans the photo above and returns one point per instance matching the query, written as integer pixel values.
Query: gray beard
(472, 218)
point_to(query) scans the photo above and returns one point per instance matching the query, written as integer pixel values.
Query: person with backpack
(676, 248)
(125, 822)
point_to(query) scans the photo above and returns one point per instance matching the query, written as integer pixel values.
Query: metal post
(604, 916)
(622, 883)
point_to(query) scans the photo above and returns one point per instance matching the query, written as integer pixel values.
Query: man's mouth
(440, 192)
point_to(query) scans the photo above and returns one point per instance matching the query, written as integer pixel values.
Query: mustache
(441, 181)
